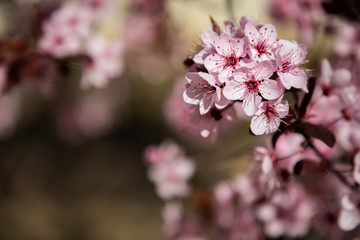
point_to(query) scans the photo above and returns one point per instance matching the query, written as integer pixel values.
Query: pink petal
(215, 62)
(270, 89)
(237, 45)
(348, 220)
(222, 102)
(205, 103)
(258, 124)
(225, 74)
(297, 78)
(252, 33)
(268, 34)
(264, 70)
(234, 90)
(222, 45)
(209, 37)
(192, 95)
(209, 78)
(250, 103)
(282, 109)
(326, 72)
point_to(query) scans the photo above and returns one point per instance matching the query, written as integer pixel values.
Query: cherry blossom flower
(66, 30)
(208, 38)
(347, 43)
(290, 57)
(60, 43)
(204, 90)
(106, 62)
(224, 197)
(288, 213)
(331, 80)
(227, 57)
(267, 118)
(262, 41)
(248, 83)
(171, 172)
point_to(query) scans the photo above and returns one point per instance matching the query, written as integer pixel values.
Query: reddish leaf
(319, 132)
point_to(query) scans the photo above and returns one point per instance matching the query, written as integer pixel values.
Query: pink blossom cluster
(71, 32)
(305, 179)
(169, 170)
(248, 64)
(301, 182)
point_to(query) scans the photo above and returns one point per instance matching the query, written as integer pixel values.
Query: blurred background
(71, 157)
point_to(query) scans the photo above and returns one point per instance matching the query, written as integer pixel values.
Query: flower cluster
(246, 63)
(71, 32)
(306, 176)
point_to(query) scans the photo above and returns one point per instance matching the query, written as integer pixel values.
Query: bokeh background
(70, 175)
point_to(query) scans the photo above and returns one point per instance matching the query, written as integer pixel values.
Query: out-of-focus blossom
(306, 14)
(66, 30)
(348, 44)
(70, 32)
(288, 213)
(106, 62)
(171, 171)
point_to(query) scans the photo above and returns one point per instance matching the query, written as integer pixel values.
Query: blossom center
(261, 48)
(270, 111)
(231, 61)
(252, 85)
(286, 66)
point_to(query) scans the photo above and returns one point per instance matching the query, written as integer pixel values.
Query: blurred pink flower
(106, 62)
(288, 213)
(66, 30)
(171, 171)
